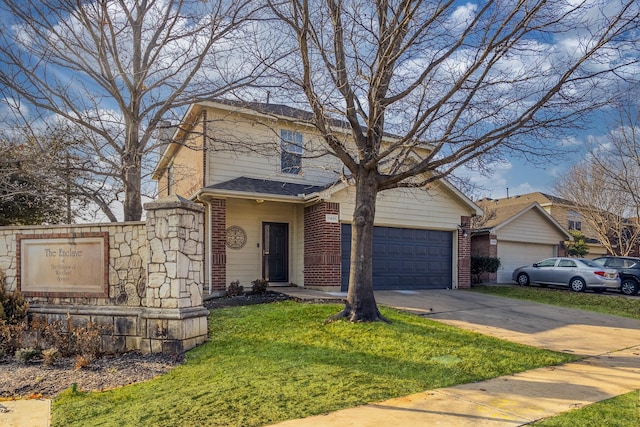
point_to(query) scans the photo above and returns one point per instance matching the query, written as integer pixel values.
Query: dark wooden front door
(275, 251)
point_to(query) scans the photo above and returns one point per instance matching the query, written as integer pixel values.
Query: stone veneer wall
(155, 277)
(174, 319)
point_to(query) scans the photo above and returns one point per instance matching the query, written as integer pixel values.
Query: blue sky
(514, 173)
(521, 176)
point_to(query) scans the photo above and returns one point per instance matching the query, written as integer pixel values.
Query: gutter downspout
(207, 232)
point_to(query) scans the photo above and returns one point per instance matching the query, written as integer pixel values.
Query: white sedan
(577, 273)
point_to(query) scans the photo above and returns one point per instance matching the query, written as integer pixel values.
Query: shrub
(11, 337)
(235, 288)
(13, 307)
(81, 362)
(50, 356)
(72, 339)
(483, 264)
(259, 286)
(26, 355)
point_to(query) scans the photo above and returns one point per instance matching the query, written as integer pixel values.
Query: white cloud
(461, 17)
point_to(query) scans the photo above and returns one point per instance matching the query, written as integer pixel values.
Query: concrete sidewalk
(612, 367)
(25, 413)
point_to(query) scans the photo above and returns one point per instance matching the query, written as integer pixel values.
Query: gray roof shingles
(265, 186)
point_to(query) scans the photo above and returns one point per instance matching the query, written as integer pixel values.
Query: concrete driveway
(524, 322)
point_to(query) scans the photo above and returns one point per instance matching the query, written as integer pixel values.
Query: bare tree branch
(116, 70)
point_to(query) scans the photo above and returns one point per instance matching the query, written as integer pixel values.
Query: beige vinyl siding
(245, 264)
(531, 227)
(434, 209)
(250, 147)
(188, 163)
(595, 251)
(525, 240)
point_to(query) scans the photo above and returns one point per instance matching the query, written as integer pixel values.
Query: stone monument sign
(69, 265)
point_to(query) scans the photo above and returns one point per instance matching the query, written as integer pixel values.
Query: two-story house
(279, 206)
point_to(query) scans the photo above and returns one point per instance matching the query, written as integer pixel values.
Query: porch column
(464, 253)
(322, 261)
(218, 247)
(485, 244)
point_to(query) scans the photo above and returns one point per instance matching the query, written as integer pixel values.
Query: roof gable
(502, 216)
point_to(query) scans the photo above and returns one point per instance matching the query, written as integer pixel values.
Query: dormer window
(291, 152)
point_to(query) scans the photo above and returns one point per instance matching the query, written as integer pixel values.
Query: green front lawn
(273, 362)
(616, 305)
(620, 411)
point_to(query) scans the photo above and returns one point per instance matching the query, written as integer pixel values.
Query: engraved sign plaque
(63, 266)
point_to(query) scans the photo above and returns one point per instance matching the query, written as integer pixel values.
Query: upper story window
(291, 152)
(575, 222)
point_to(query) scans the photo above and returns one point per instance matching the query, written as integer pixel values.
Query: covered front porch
(281, 232)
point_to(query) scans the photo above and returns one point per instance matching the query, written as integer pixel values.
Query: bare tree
(55, 160)
(114, 70)
(26, 195)
(604, 186)
(456, 83)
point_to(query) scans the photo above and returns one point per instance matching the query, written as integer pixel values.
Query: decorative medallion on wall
(236, 237)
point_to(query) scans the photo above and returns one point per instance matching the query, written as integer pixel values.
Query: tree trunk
(361, 303)
(132, 163)
(132, 190)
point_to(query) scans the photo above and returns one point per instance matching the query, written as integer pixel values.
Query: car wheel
(629, 287)
(577, 284)
(523, 279)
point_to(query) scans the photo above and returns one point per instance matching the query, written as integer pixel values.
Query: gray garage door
(405, 258)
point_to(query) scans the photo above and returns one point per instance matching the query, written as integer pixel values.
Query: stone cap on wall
(173, 201)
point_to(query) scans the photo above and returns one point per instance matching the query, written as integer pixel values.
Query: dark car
(629, 269)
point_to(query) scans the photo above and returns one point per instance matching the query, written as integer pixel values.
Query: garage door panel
(515, 254)
(405, 258)
(393, 249)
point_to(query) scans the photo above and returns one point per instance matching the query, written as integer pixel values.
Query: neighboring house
(563, 211)
(518, 234)
(279, 207)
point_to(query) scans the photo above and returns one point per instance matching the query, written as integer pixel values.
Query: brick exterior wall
(218, 210)
(464, 254)
(322, 262)
(481, 246)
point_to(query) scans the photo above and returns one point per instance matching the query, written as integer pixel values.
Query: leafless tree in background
(605, 186)
(459, 84)
(35, 183)
(54, 160)
(114, 71)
